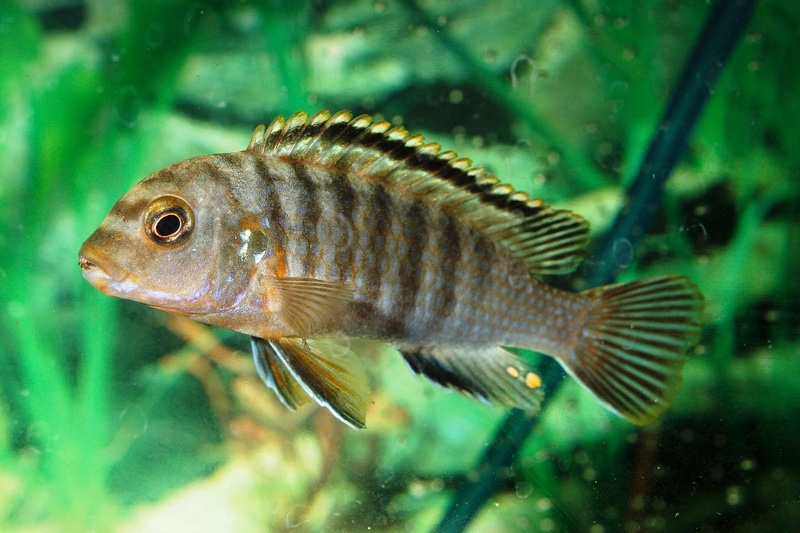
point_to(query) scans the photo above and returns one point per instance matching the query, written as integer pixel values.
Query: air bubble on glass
(523, 489)
(623, 252)
(294, 516)
(697, 228)
(524, 67)
(154, 36)
(127, 106)
(194, 14)
(346, 231)
(335, 347)
(134, 420)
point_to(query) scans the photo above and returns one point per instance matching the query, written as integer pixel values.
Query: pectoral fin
(488, 373)
(307, 304)
(277, 377)
(326, 371)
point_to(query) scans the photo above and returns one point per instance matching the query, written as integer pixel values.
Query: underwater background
(676, 137)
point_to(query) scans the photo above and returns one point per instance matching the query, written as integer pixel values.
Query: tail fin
(632, 348)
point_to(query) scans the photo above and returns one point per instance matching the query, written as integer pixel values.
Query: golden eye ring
(168, 220)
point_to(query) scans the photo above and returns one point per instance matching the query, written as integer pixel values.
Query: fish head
(164, 243)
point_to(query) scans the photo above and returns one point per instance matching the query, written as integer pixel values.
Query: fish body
(333, 226)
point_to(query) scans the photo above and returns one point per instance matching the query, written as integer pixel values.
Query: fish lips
(97, 270)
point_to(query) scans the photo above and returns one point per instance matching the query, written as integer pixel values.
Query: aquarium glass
(675, 137)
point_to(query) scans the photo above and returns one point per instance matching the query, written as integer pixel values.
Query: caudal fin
(632, 348)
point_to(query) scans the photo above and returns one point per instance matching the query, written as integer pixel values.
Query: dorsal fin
(548, 240)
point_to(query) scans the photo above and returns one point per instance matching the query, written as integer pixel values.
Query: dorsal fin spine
(293, 132)
(273, 134)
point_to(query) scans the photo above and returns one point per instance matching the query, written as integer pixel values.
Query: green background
(115, 417)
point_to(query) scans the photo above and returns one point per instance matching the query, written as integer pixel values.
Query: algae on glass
(117, 417)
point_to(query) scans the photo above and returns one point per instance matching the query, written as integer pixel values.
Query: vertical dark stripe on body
(378, 221)
(415, 227)
(229, 162)
(482, 256)
(344, 222)
(449, 243)
(274, 210)
(308, 191)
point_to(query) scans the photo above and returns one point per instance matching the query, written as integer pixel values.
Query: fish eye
(168, 220)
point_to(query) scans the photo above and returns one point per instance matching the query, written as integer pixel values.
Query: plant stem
(724, 26)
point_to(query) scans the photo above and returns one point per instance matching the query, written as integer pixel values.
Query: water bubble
(194, 16)
(623, 252)
(621, 22)
(435, 99)
(39, 432)
(524, 65)
(127, 106)
(339, 347)
(553, 158)
(519, 279)
(294, 516)
(134, 419)
(346, 231)
(696, 231)
(456, 96)
(523, 489)
(154, 36)
(523, 144)
(543, 505)
(547, 524)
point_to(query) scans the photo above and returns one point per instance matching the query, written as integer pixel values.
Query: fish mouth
(96, 269)
(93, 271)
(84, 263)
(103, 273)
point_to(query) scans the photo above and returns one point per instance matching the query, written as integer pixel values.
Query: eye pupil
(167, 225)
(168, 221)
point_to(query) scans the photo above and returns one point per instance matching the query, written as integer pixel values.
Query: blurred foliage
(114, 417)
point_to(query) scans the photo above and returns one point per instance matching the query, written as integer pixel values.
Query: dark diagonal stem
(723, 29)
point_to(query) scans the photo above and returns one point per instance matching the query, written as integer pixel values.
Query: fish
(331, 227)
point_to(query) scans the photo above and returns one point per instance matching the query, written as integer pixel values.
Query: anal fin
(326, 371)
(487, 373)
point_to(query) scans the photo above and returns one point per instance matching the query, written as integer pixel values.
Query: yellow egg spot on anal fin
(533, 381)
(488, 373)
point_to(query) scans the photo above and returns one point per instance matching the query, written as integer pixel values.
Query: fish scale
(334, 226)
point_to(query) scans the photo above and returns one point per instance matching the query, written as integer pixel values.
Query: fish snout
(91, 269)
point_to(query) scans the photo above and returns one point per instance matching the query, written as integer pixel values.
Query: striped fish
(334, 226)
